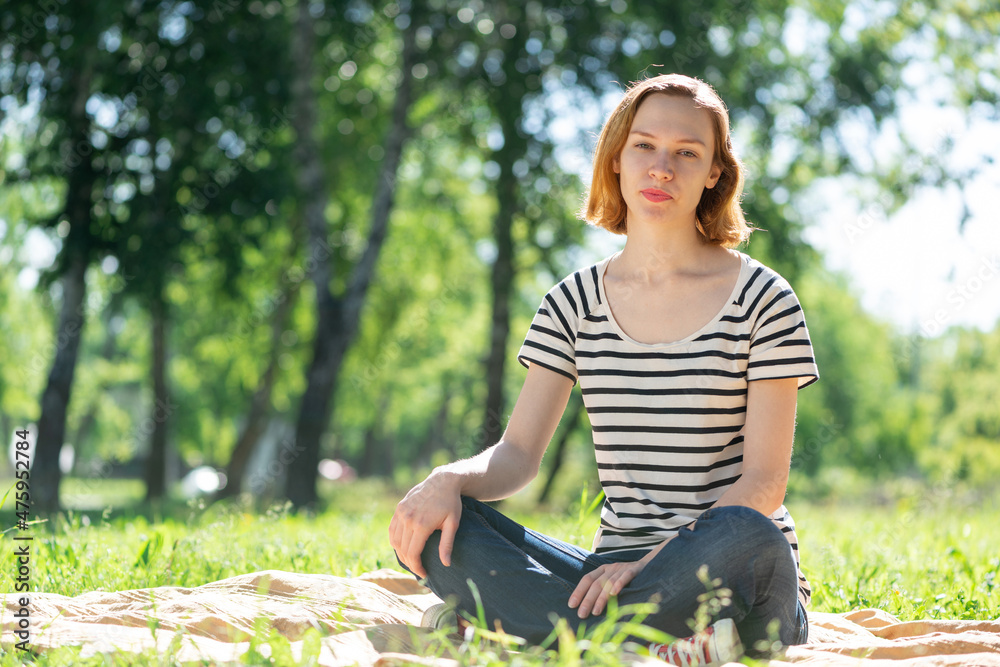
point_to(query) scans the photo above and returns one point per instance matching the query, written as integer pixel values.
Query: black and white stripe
(667, 418)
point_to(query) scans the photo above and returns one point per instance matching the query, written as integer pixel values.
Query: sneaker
(717, 644)
(440, 617)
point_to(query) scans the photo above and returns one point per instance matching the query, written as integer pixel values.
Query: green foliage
(851, 417)
(968, 420)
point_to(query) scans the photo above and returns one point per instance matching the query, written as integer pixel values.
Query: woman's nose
(661, 167)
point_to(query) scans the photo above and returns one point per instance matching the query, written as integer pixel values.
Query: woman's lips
(654, 195)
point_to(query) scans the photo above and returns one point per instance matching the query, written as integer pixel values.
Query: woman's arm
(767, 446)
(496, 473)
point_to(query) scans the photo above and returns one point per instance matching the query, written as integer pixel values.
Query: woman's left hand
(593, 591)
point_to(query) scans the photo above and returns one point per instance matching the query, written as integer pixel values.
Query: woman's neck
(665, 249)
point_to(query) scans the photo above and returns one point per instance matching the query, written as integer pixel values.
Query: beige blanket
(368, 621)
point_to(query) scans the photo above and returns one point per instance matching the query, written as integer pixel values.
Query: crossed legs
(524, 578)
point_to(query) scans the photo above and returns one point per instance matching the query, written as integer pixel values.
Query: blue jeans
(525, 578)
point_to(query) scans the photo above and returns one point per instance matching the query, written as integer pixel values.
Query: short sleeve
(779, 343)
(551, 339)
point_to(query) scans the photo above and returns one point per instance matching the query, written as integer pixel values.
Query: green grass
(912, 559)
(925, 554)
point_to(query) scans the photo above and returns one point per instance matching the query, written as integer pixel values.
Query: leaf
(281, 650)
(4, 499)
(150, 550)
(598, 499)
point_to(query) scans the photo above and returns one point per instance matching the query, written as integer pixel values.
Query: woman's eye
(642, 145)
(688, 154)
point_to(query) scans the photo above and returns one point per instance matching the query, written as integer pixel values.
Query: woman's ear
(713, 176)
(616, 164)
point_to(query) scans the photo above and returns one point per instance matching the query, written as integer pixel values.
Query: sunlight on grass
(936, 563)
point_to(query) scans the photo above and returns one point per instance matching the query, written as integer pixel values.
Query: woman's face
(667, 160)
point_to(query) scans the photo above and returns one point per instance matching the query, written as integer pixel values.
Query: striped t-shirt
(667, 417)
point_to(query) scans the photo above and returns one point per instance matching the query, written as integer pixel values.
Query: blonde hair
(720, 219)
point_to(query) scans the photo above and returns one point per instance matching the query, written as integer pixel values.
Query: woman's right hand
(434, 504)
(498, 472)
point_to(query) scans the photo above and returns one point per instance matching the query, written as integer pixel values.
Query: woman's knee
(736, 513)
(464, 546)
(430, 556)
(749, 531)
(746, 520)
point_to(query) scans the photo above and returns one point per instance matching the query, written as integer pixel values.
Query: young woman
(689, 355)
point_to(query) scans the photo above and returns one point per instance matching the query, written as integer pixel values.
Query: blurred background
(270, 247)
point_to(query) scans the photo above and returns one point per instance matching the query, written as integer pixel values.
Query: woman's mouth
(654, 195)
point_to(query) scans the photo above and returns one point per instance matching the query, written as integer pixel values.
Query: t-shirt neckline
(602, 269)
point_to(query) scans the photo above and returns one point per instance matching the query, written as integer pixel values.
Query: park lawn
(912, 558)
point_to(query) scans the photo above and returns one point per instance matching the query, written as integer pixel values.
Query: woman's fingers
(407, 541)
(593, 586)
(429, 506)
(594, 589)
(597, 592)
(619, 580)
(397, 539)
(447, 544)
(393, 542)
(582, 588)
(415, 547)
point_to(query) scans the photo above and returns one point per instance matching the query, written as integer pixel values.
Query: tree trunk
(107, 353)
(366, 463)
(375, 455)
(372, 461)
(507, 105)
(337, 320)
(157, 464)
(559, 454)
(260, 405)
(311, 184)
(163, 463)
(437, 434)
(501, 283)
(45, 474)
